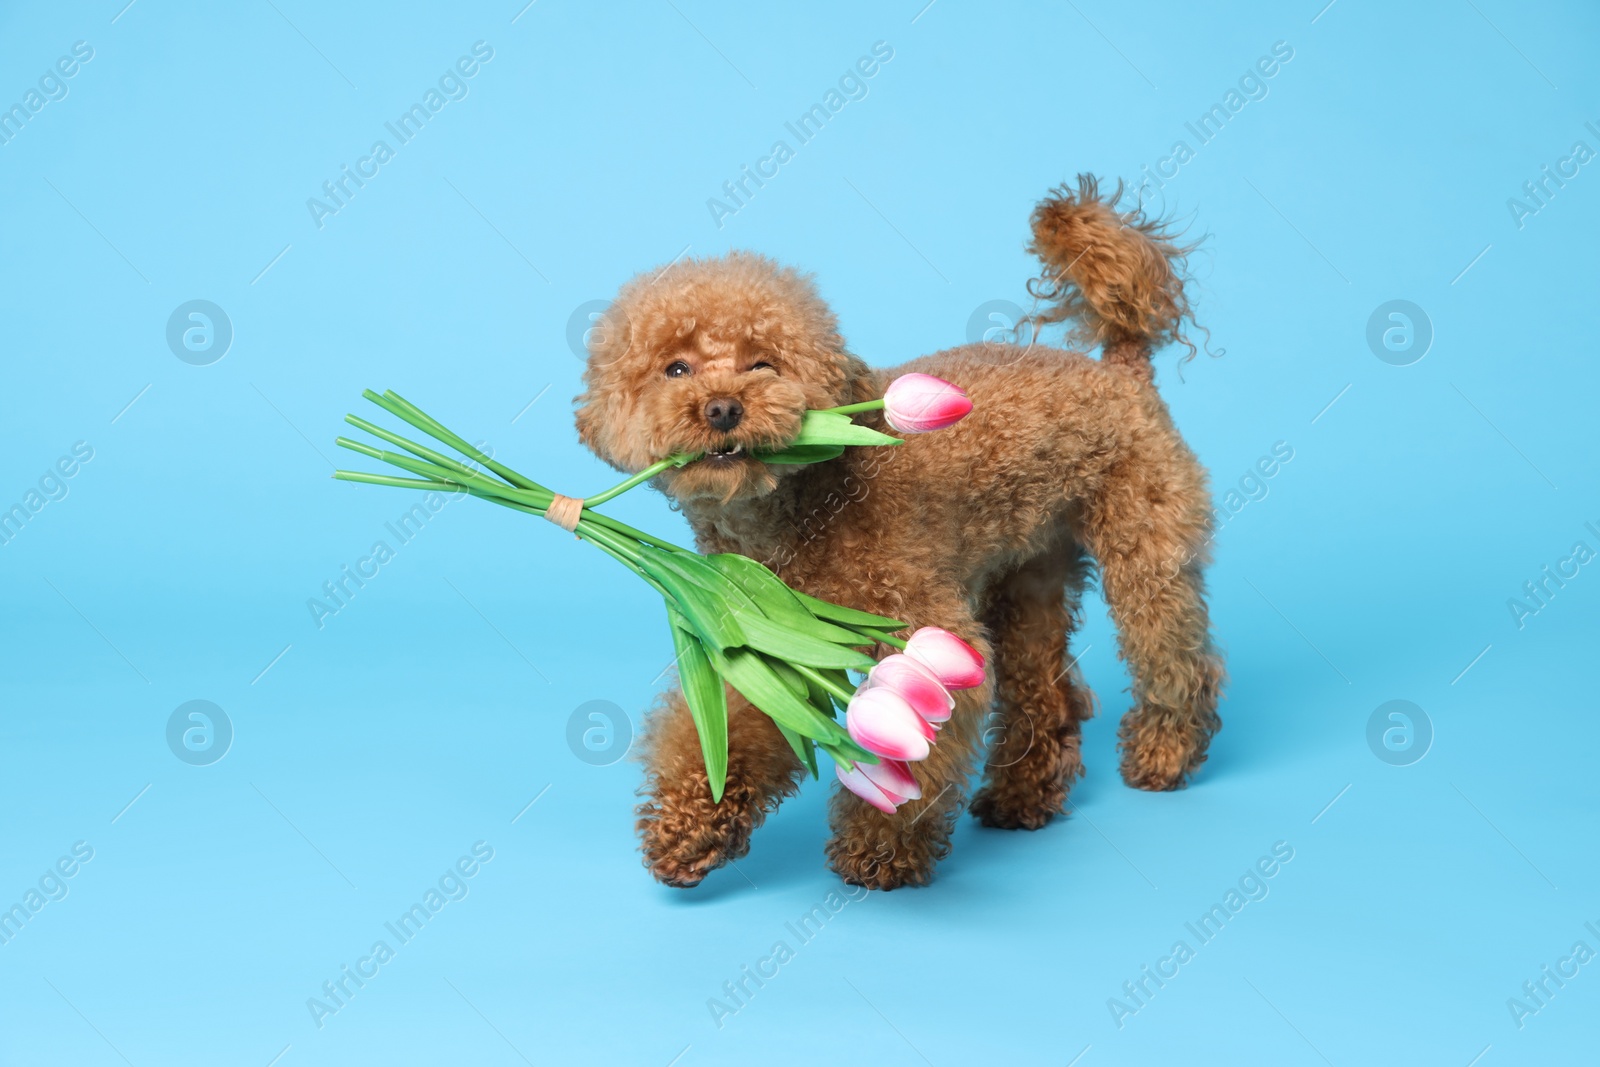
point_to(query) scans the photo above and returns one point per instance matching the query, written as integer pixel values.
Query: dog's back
(1047, 419)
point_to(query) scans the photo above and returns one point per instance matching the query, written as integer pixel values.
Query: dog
(1068, 467)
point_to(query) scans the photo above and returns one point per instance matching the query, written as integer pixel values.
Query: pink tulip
(954, 662)
(920, 686)
(917, 403)
(883, 723)
(885, 785)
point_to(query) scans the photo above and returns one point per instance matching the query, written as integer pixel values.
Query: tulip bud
(880, 721)
(917, 403)
(885, 785)
(919, 686)
(954, 662)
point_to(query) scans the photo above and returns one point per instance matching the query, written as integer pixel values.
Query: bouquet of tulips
(734, 623)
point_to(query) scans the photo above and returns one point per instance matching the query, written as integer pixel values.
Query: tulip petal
(863, 787)
(894, 778)
(919, 686)
(918, 403)
(954, 662)
(880, 721)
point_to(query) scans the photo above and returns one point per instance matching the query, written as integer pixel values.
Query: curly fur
(1067, 467)
(1116, 275)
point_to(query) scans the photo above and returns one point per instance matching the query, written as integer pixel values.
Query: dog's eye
(678, 369)
(765, 366)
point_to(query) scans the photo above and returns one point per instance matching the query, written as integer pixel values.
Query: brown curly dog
(1066, 467)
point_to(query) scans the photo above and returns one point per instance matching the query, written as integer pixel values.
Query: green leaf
(805, 749)
(791, 678)
(703, 589)
(797, 455)
(777, 639)
(824, 698)
(848, 753)
(824, 435)
(775, 599)
(824, 609)
(705, 613)
(707, 699)
(752, 675)
(831, 428)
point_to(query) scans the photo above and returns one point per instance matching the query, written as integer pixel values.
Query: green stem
(643, 476)
(851, 409)
(607, 542)
(531, 500)
(614, 525)
(613, 543)
(398, 405)
(410, 446)
(389, 479)
(523, 490)
(824, 681)
(618, 526)
(466, 478)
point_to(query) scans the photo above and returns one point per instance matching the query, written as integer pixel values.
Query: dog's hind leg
(1036, 728)
(1148, 527)
(685, 835)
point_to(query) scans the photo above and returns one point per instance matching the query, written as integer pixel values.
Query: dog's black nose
(724, 412)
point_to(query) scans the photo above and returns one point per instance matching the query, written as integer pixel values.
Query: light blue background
(429, 712)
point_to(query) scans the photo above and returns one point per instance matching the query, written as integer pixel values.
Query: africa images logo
(452, 85)
(852, 85)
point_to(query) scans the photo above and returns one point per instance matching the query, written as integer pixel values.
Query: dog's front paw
(681, 868)
(1158, 774)
(685, 835)
(1160, 754)
(880, 866)
(878, 851)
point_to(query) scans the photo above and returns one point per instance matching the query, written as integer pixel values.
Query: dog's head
(722, 356)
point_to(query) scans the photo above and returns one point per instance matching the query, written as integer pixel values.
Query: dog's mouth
(724, 455)
(725, 471)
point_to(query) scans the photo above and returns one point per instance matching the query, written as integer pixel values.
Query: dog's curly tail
(1117, 275)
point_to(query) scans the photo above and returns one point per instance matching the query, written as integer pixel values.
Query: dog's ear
(590, 419)
(789, 312)
(603, 412)
(843, 377)
(858, 383)
(608, 404)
